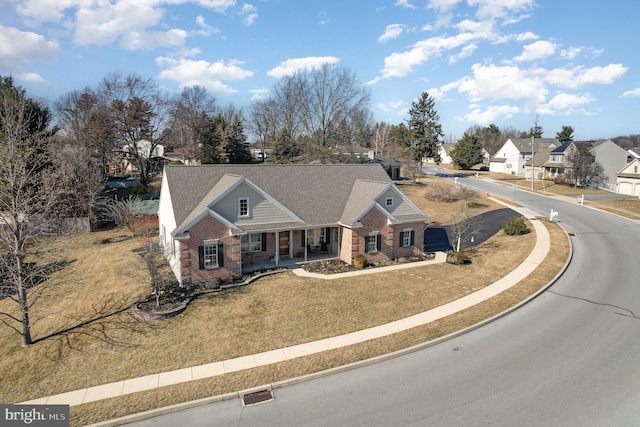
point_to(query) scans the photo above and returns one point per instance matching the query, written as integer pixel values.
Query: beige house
(628, 181)
(221, 220)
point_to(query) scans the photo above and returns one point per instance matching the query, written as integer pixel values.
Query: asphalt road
(570, 357)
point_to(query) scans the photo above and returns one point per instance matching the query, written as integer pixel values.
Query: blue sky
(484, 61)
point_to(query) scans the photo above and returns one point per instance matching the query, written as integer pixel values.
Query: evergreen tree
(285, 149)
(467, 152)
(536, 131)
(426, 131)
(565, 135)
(207, 132)
(235, 146)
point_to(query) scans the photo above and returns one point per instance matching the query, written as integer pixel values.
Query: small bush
(359, 261)
(445, 193)
(139, 190)
(459, 258)
(515, 226)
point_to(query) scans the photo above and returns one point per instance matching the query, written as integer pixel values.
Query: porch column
(277, 257)
(305, 245)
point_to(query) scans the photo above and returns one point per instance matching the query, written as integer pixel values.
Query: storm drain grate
(253, 397)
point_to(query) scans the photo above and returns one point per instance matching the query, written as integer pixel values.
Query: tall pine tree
(426, 131)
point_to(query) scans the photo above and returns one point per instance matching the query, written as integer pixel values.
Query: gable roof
(524, 144)
(627, 171)
(314, 194)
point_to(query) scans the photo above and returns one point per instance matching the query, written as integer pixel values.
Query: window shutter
(401, 239)
(220, 255)
(201, 257)
(327, 233)
(263, 241)
(412, 238)
(378, 242)
(304, 243)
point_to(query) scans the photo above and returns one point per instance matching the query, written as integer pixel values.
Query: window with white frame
(316, 236)
(406, 238)
(251, 243)
(372, 243)
(243, 207)
(388, 202)
(210, 254)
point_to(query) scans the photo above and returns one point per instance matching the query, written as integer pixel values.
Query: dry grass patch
(138, 402)
(274, 312)
(629, 208)
(440, 211)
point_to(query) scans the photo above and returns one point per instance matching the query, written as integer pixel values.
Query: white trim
(247, 214)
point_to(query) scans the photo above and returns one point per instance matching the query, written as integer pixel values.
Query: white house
(512, 157)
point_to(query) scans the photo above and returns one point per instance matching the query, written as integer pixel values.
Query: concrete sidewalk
(120, 388)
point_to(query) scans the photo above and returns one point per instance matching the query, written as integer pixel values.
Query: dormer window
(388, 202)
(243, 207)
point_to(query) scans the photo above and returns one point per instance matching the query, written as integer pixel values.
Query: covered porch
(288, 248)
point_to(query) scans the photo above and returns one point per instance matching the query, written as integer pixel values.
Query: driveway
(489, 223)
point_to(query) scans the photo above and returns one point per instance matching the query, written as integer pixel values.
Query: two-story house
(512, 157)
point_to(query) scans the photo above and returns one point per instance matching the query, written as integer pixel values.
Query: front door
(283, 244)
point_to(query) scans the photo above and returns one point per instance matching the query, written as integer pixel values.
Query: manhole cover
(251, 398)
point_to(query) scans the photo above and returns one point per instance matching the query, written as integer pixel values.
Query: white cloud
(150, 40)
(33, 79)
(630, 93)
(203, 73)
(20, 48)
(104, 25)
(536, 50)
(507, 82)
(401, 64)
(523, 37)
(205, 29)
(466, 52)
(391, 32)
(491, 114)
(443, 5)
(563, 101)
(404, 3)
(580, 76)
(250, 13)
(259, 94)
(511, 10)
(45, 10)
(293, 65)
(217, 5)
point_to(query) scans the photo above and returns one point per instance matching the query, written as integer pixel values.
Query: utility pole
(533, 164)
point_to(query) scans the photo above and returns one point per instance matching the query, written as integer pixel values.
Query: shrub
(459, 258)
(515, 226)
(444, 193)
(139, 189)
(359, 261)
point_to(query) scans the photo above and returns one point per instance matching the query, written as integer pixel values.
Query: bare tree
(263, 122)
(584, 170)
(141, 112)
(192, 108)
(464, 227)
(28, 194)
(127, 212)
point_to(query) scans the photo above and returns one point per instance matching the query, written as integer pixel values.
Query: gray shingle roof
(318, 194)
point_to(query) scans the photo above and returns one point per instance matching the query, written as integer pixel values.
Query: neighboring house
(628, 181)
(222, 220)
(557, 163)
(540, 158)
(634, 152)
(512, 157)
(612, 157)
(444, 150)
(145, 151)
(392, 167)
